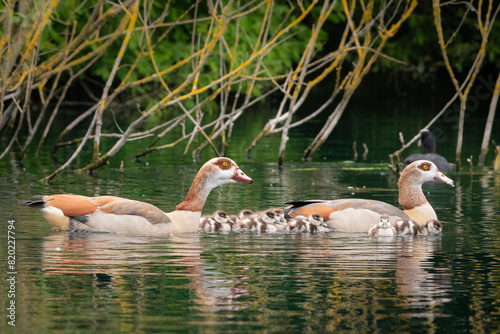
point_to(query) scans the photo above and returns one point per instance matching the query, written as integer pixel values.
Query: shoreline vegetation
(207, 63)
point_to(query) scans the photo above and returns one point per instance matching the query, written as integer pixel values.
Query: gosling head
(384, 221)
(317, 219)
(269, 217)
(434, 227)
(221, 217)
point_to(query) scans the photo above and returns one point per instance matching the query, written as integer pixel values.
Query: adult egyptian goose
(382, 228)
(120, 215)
(356, 215)
(428, 142)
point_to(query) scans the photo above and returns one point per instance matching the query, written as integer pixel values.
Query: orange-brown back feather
(71, 205)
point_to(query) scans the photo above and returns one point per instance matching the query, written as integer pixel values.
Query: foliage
(416, 44)
(198, 66)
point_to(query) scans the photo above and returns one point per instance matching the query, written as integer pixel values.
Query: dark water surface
(87, 282)
(69, 282)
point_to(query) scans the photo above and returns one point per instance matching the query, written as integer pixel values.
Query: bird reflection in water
(117, 260)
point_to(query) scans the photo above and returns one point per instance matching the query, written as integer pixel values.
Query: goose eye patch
(424, 166)
(224, 163)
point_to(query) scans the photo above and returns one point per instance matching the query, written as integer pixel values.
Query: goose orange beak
(443, 178)
(239, 176)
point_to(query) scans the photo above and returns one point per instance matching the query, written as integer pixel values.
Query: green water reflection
(85, 283)
(81, 282)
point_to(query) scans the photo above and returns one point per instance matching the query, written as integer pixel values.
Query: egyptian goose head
(120, 215)
(411, 197)
(212, 174)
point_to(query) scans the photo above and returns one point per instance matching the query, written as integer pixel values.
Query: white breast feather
(386, 232)
(55, 217)
(422, 214)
